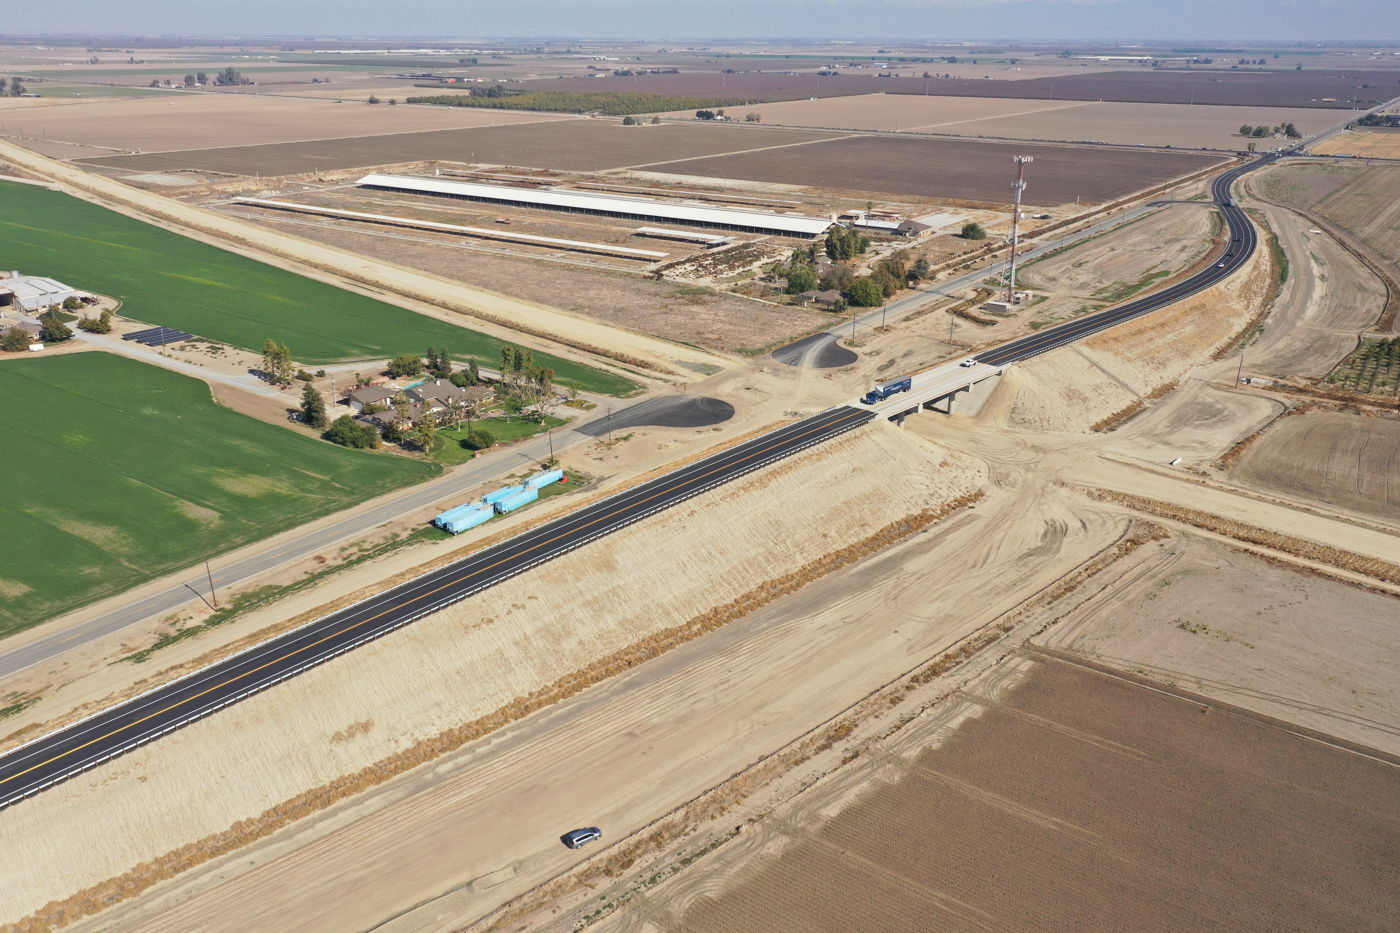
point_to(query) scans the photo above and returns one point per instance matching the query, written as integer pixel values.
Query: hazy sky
(1195, 20)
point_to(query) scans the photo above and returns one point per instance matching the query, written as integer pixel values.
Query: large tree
(16, 340)
(313, 407)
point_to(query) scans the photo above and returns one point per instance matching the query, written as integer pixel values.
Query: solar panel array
(157, 336)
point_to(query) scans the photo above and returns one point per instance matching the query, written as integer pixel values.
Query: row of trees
(277, 366)
(1259, 132)
(608, 103)
(15, 89)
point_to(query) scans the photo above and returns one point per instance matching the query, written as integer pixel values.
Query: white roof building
(607, 205)
(33, 292)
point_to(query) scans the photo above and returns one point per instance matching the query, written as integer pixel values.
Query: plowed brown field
(951, 169)
(571, 145)
(1242, 88)
(1081, 801)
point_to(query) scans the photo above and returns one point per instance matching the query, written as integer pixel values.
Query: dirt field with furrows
(1112, 374)
(503, 644)
(572, 144)
(698, 316)
(1082, 801)
(1339, 459)
(1234, 88)
(1361, 199)
(1365, 143)
(1178, 125)
(937, 168)
(214, 121)
(1260, 634)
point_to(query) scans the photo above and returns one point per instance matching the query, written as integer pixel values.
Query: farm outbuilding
(630, 207)
(33, 292)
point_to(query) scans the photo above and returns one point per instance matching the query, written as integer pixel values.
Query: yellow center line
(394, 608)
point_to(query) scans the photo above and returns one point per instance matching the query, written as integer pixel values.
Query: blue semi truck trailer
(880, 393)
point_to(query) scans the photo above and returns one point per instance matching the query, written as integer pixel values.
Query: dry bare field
(951, 169)
(1218, 87)
(1178, 125)
(514, 639)
(1260, 634)
(697, 316)
(1367, 143)
(1078, 800)
(213, 121)
(1339, 459)
(569, 144)
(1359, 198)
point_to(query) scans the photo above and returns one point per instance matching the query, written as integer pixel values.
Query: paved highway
(55, 758)
(1243, 241)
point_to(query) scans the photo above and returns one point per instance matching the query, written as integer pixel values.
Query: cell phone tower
(1018, 187)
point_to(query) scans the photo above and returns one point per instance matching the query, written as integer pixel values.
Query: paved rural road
(87, 744)
(824, 351)
(1243, 241)
(485, 470)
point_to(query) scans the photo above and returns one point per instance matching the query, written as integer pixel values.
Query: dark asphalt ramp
(820, 351)
(669, 411)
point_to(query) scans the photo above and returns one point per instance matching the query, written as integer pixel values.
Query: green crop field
(164, 278)
(116, 472)
(95, 90)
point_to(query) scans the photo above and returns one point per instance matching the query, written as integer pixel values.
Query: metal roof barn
(607, 205)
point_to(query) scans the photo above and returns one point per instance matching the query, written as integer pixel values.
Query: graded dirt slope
(1260, 634)
(1077, 387)
(1359, 198)
(1344, 460)
(470, 660)
(1082, 801)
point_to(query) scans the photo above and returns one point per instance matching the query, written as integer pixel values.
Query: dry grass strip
(1372, 567)
(147, 874)
(1118, 417)
(1231, 456)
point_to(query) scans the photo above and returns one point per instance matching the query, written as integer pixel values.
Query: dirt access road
(450, 301)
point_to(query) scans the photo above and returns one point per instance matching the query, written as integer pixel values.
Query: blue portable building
(472, 517)
(540, 480)
(491, 498)
(512, 502)
(442, 520)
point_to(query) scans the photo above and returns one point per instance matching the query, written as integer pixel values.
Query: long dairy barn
(606, 205)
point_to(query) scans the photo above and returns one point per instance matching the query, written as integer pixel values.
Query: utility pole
(1239, 375)
(210, 574)
(1018, 187)
(609, 425)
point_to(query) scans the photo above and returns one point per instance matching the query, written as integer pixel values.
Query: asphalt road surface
(665, 411)
(85, 745)
(1244, 239)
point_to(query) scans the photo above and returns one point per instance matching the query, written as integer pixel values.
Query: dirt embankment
(1076, 388)
(472, 668)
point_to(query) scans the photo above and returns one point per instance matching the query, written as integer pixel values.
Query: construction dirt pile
(1092, 384)
(469, 669)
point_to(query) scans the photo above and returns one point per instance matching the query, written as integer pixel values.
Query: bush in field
(973, 231)
(410, 364)
(98, 325)
(16, 340)
(866, 293)
(347, 432)
(478, 439)
(802, 279)
(54, 331)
